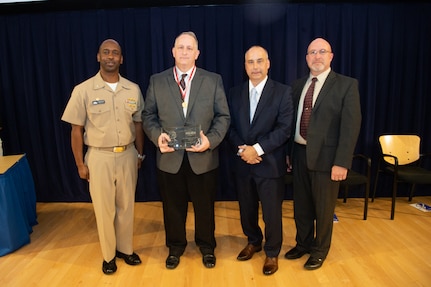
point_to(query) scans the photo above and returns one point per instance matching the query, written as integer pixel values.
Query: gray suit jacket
(335, 122)
(207, 107)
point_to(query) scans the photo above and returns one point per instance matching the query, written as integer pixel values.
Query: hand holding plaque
(183, 137)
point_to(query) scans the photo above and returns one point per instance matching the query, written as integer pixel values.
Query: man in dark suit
(258, 136)
(187, 96)
(322, 153)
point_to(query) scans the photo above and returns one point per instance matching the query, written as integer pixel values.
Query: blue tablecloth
(17, 203)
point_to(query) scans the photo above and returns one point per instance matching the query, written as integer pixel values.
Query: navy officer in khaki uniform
(105, 114)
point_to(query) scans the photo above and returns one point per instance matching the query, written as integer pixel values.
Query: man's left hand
(249, 154)
(338, 173)
(203, 146)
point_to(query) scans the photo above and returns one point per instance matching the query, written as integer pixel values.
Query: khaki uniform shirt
(107, 116)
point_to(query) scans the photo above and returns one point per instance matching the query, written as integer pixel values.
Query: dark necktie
(306, 109)
(183, 82)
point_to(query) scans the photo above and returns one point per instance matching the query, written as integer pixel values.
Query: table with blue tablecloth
(17, 203)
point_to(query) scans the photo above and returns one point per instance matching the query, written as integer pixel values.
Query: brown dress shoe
(248, 252)
(270, 266)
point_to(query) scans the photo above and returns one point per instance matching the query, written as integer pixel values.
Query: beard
(317, 67)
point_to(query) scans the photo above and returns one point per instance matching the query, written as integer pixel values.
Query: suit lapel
(329, 82)
(266, 94)
(244, 107)
(175, 92)
(194, 91)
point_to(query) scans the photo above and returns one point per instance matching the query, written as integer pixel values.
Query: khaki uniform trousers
(113, 178)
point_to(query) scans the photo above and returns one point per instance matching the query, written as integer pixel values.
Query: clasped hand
(249, 154)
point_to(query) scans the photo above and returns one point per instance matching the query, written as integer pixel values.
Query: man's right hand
(162, 142)
(84, 173)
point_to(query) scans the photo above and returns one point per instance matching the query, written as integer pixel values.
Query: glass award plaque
(183, 137)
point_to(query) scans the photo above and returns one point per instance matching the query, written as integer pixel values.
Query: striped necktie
(306, 109)
(183, 82)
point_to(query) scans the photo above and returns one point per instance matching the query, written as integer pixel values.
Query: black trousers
(314, 197)
(270, 192)
(176, 192)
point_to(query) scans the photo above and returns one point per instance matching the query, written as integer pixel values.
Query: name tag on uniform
(98, 102)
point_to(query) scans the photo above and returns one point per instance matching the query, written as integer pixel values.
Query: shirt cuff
(258, 149)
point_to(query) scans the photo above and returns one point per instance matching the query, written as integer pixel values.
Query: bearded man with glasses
(328, 120)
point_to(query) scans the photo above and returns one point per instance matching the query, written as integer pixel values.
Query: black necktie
(306, 109)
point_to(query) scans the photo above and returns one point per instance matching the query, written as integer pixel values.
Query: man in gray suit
(187, 96)
(322, 150)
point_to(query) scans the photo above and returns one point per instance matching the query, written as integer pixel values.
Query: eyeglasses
(321, 52)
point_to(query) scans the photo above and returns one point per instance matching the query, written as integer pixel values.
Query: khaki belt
(113, 149)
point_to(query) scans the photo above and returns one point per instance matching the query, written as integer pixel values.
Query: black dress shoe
(295, 253)
(313, 263)
(270, 266)
(172, 261)
(132, 259)
(109, 267)
(248, 252)
(209, 260)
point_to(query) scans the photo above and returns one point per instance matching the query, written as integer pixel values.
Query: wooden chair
(361, 175)
(401, 158)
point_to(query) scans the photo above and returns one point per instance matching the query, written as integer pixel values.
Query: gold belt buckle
(119, 148)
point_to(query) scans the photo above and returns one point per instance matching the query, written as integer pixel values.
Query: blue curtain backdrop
(43, 56)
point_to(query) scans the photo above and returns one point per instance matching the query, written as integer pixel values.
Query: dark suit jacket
(207, 107)
(270, 128)
(335, 122)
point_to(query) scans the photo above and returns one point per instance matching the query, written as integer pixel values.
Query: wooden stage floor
(64, 250)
